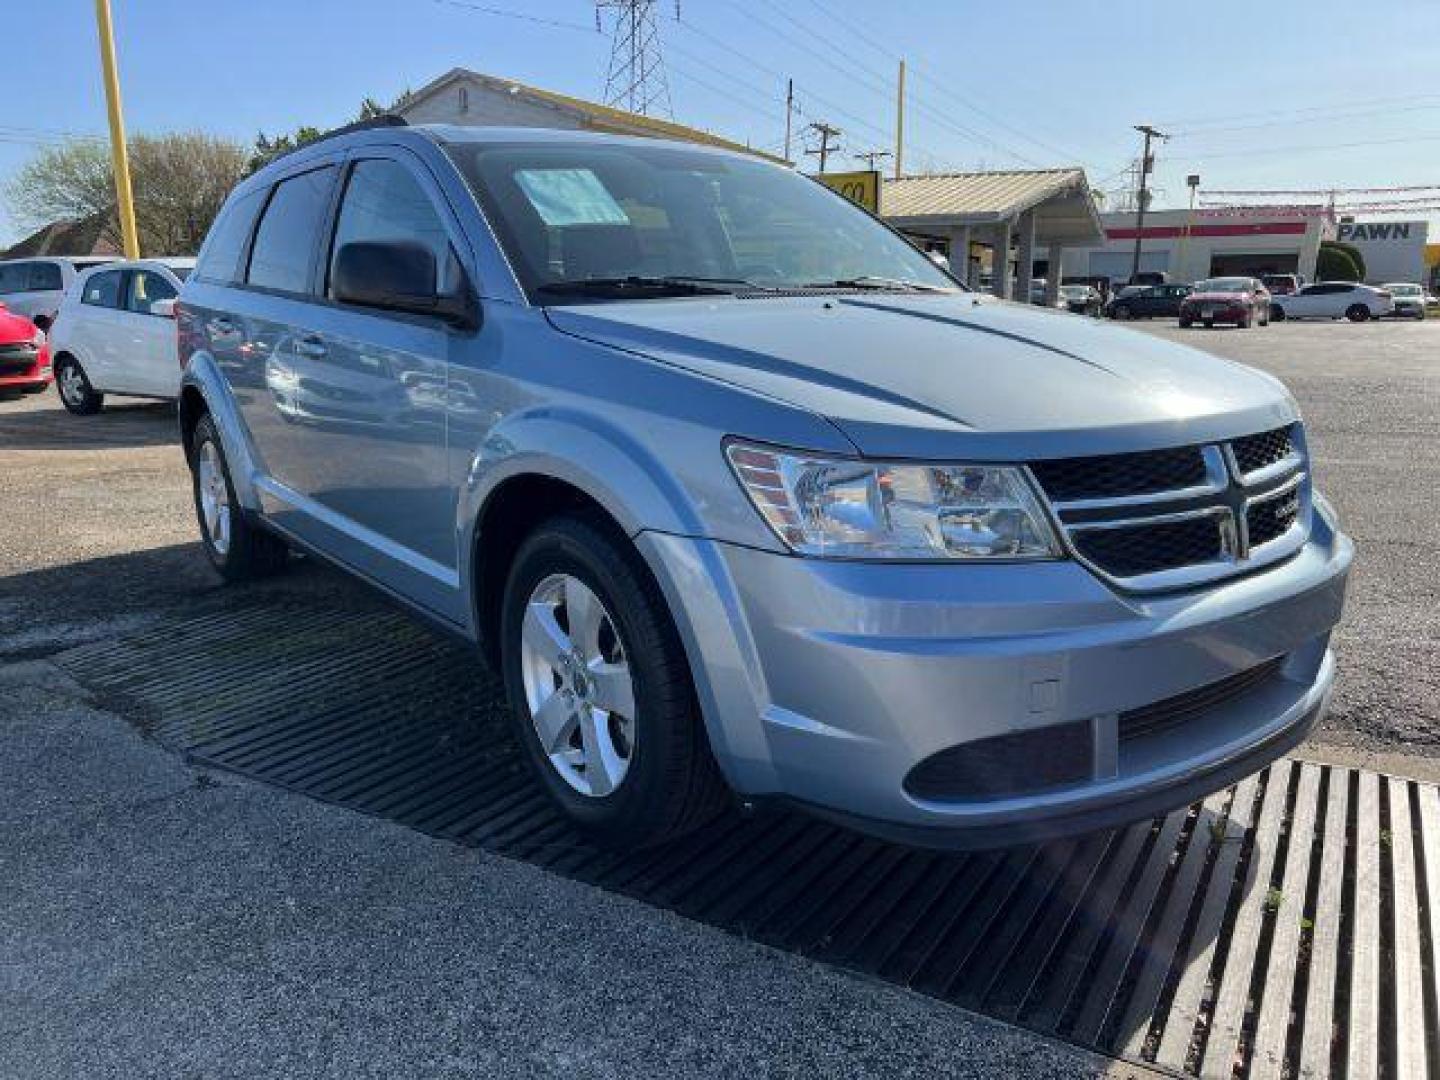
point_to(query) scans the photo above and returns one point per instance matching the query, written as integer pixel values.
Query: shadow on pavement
(48, 426)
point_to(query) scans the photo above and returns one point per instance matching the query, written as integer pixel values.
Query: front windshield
(1224, 284)
(585, 220)
(1074, 291)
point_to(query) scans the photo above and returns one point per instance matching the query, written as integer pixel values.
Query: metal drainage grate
(1283, 927)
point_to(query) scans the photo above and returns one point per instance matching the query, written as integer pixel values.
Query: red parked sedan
(1243, 301)
(24, 355)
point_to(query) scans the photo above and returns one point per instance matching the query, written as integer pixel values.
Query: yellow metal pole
(120, 157)
(900, 122)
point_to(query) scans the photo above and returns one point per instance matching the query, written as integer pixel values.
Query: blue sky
(1287, 94)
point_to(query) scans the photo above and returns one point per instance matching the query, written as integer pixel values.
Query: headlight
(847, 509)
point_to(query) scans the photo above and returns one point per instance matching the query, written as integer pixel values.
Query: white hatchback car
(1333, 300)
(115, 333)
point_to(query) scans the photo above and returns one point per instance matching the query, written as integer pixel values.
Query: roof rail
(384, 120)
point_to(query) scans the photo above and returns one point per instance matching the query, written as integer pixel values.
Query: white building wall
(471, 102)
(1392, 250)
(1189, 258)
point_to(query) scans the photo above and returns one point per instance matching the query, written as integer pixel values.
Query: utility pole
(789, 112)
(1193, 183)
(119, 155)
(900, 121)
(1147, 163)
(826, 133)
(870, 157)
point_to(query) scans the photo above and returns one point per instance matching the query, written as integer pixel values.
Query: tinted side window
(103, 289)
(14, 277)
(146, 287)
(220, 254)
(46, 276)
(289, 228)
(384, 201)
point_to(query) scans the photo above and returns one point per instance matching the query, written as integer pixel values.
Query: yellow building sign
(861, 188)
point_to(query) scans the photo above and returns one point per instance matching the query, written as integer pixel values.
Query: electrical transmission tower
(635, 80)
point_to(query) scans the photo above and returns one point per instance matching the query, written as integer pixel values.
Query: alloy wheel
(214, 498)
(578, 685)
(72, 385)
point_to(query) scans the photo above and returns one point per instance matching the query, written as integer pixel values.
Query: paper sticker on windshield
(569, 197)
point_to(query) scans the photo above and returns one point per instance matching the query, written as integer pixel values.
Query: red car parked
(24, 355)
(1243, 301)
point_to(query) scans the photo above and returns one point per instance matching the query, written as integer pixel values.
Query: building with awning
(1032, 211)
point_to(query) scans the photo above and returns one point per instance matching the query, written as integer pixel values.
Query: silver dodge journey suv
(746, 498)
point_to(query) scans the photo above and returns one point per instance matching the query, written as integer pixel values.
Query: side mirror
(397, 275)
(42, 322)
(164, 308)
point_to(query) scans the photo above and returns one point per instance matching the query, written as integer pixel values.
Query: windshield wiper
(675, 285)
(872, 281)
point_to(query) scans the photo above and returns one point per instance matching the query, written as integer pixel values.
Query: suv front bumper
(828, 682)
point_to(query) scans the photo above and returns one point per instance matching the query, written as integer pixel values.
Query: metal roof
(1061, 198)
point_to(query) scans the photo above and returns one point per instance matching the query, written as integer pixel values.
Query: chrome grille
(1178, 517)
(1256, 452)
(1150, 547)
(1113, 475)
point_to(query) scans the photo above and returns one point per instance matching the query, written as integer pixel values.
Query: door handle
(312, 347)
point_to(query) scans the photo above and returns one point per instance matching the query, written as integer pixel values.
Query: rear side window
(384, 201)
(14, 277)
(220, 254)
(285, 240)
(103, 289)
(46, 277)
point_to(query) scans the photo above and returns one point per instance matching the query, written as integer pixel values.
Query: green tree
(1355, 256)
(1335, 263)
(180, 181)
(267, 148)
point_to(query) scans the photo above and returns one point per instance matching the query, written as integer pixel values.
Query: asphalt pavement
(158, 919)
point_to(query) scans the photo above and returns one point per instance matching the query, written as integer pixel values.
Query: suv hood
(948, 376)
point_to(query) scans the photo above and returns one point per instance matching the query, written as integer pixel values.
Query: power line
(520, 16)
(1196, 125)
(863, 36)
(1203, 155)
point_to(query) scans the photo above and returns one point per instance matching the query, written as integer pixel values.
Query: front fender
(203, 375)
(587, 452)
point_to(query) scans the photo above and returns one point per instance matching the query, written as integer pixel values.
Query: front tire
(76, 393)
(1357, 313)
(600, 688)
(1122, 313)
(237, 548)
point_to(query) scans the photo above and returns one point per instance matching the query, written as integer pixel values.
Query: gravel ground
(1371, 399)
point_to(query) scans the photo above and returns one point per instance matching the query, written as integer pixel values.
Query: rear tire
(1357, 313)
(579, 603)
(1122, 313)
(76, 393)
(238, 548)
(1277, 313)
